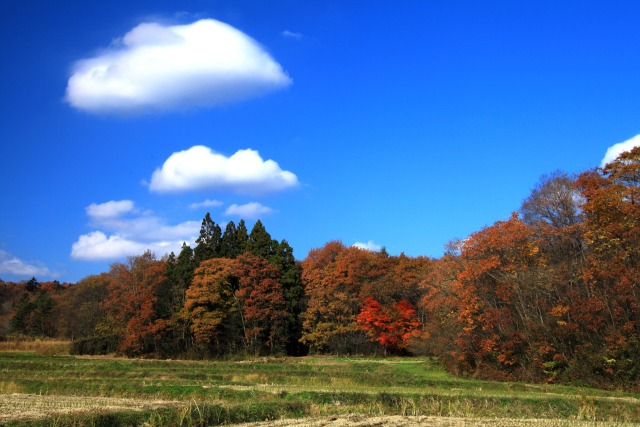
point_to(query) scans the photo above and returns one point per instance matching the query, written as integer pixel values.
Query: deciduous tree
(333, 277)
(391, 327)
(260, 299)
(210, 304)
(131, 305)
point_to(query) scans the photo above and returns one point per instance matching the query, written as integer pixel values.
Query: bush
(95, 345)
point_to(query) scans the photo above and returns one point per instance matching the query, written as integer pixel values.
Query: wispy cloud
(10, 264)
(249, 210)
(157, 68)
(615, 150)
(291, 35)
(369, 246)
(200, 168)
(122, 230)
(206, 204)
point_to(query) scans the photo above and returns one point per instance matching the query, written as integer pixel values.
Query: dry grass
(328, 391)
(16, 406)
(46, 347)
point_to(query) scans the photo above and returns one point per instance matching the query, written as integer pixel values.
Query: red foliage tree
(391, 327)
(261, 301)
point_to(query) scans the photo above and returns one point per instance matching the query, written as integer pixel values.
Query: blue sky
(395, 124)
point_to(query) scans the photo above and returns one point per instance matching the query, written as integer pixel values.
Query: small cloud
(200, 168)
(110, 209)
(615, 150)
(248, 210)
(121, 229)
(10, 264)
(206, 204)
(291, 35)
(369, 246)
(161, 68)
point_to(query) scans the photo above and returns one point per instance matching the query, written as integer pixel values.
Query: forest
(550, 294)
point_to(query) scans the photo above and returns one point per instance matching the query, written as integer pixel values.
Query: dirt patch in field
(424, 421)
(14, 407)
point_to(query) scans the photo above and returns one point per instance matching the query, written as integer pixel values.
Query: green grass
(217, 392)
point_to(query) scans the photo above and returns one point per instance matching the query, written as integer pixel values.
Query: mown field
(40, 388)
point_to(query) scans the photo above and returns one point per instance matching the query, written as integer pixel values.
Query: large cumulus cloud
(156, 67)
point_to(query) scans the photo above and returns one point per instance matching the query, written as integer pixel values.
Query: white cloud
(248, 210)
(206, 204)
(110, 209)
(615, 150)
(97, 245)
(10, 264)
(369, 246)
(200, 168)
(158, 68)
(291, 35)
(124, 230)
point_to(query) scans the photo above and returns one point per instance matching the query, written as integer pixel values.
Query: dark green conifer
(208, 243)
(260, 242)
(228, 243)
(242, 237)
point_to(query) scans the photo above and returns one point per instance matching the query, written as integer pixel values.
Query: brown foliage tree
(131, 304)
(210, 302)
(610, 310)
(80, 309)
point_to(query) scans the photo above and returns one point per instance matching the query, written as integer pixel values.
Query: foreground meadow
(49, 389)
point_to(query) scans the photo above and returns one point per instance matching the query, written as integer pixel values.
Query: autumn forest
(550, 294)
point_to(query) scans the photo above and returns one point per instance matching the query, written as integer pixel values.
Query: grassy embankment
(67, 390)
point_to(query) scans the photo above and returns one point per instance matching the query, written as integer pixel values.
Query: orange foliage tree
(496, 294)
(131, 303)
(356, 297)
(209, 302)
(237, 302)
(333, 277)
(610, 311)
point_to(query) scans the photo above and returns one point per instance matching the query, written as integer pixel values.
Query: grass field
(38, 388)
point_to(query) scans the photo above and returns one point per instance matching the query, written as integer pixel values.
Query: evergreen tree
(208, 244)
(42, 307)
(228, 247)
(260, 242)
(169, 264)
(293, 289)
(179, 272)
(32, 285)
(21, 321)
(241, 238)
(185, 265)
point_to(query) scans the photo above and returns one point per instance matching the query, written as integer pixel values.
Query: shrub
(95, 345)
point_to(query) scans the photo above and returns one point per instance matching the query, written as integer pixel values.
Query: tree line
(549, 294)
